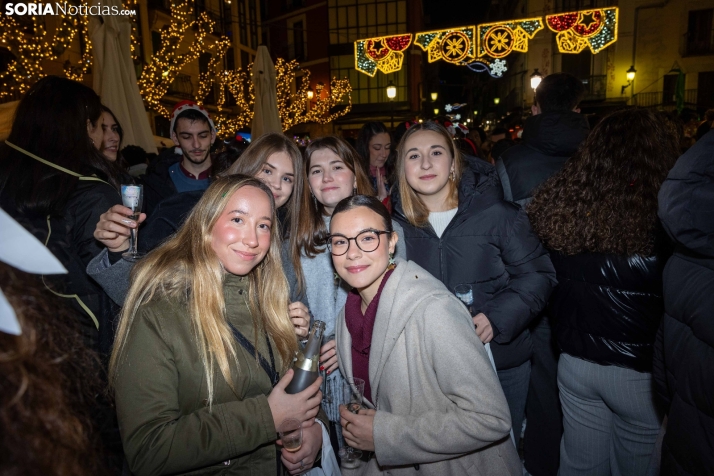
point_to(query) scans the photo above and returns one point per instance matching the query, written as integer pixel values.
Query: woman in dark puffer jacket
(598, 216)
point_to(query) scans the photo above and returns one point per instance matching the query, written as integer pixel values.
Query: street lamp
(496, 100)
(536, 78)
(434, 96)
(310, 94)
(391, 94)
(630, 78)
(436, 111)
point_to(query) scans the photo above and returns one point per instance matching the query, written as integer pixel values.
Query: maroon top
(361, 327)
(203, 175)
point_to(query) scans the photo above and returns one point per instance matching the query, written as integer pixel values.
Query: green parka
(161, 397)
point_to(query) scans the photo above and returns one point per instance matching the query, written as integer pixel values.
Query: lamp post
(434, 96)
(496, 101)
(536, 78)
(630, 79)
(436, 111)
(391, 94)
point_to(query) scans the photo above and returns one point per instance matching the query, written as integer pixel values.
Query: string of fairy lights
(33, 46)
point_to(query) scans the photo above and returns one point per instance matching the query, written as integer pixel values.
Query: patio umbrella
(265, 112)
(115, 77)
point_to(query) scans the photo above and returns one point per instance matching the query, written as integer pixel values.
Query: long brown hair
(251, 163)
(186, 265)
(605, 197)
(49, 384)
(311, 229)
(413, 207)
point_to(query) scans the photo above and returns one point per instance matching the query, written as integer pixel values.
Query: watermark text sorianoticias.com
(65, 8)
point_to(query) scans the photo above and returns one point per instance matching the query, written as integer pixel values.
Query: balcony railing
(181, 87)
(658, 100)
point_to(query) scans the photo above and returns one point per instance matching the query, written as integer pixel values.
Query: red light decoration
(562, 22)
(399, 43)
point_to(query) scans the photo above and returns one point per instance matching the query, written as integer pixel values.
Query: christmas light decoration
(381, 53)
(594, 29)
(498, 40)
(454, 45)
(494, 67)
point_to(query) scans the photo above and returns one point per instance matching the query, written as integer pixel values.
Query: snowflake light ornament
(448, 108)
(498, 67)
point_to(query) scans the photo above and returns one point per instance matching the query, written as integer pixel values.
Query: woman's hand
(381, 186)
(114, 228)
(357, 429)
(303, 459)
(301, 318)
(302, 406)
(328, 357)
(483, 327)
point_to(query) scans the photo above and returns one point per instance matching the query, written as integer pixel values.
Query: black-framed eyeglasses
(367, 241)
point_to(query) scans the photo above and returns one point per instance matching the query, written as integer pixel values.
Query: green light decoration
(455, 45)
(594, 29)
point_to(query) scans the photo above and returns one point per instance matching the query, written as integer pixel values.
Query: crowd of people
(580, 348)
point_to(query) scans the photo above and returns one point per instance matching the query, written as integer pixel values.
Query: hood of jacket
(556, 134)
(478, 177)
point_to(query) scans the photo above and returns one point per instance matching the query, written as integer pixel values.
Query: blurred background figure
(374, 146)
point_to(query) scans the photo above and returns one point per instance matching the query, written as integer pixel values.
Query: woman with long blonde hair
(203, 338)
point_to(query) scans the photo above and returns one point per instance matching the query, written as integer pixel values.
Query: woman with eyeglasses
(333, 174)
(434, 405)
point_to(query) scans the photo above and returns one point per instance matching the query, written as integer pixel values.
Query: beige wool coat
(439, 402)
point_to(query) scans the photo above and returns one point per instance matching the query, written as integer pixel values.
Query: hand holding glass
(290, 432)
(352, 393)
(466, 294)
(132, 197)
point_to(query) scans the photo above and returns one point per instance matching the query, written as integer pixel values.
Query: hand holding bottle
(302, 406)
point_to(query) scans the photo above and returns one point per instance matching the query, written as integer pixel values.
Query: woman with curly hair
(598, 217)
(49, 383)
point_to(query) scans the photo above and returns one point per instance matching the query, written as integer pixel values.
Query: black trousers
(541, 442)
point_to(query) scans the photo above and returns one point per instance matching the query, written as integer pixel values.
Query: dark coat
(72, 241)
(489, 244)
(607, 308)
(157, 180)
(685, 349)
(549, 139)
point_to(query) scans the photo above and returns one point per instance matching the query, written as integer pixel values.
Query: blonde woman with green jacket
(191, 398)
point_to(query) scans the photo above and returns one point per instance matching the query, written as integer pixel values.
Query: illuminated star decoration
(594, 29)
(500, 39)
(454, 45)
(381, 53)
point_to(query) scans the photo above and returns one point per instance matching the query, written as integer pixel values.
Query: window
(700, 35)
(203, 61)
(253, 19)
(243, 22)
(351, 20)
(230, 59)
(156, 41)
(296, 34)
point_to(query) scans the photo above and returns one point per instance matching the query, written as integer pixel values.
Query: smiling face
(330, 179)
(278, 173)
(362, 270)
(110, 139)
(428, 163)
(241, 235)
(195, 138)
(379, 148)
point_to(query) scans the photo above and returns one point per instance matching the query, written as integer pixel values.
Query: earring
(314, 199)
(392, 262)
(452, 176)
(354, 191)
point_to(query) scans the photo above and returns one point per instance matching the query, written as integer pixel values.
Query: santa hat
(184, 106)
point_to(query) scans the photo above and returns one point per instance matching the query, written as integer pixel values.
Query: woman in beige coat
(434, 403)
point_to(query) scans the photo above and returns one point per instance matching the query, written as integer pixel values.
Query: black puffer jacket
(490, 245)
(549, 139)
(157, 180)
(684, 355)
(607, 308)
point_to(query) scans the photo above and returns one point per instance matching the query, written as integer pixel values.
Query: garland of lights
(381, 53)
(455, 45)
(498, 40)
(596, 29)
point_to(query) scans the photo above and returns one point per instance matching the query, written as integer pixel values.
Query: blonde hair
(311, 229)
(251, 163)
(187, 268)
(413, 207)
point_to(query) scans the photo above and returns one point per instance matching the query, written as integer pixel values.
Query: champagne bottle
(307, 361)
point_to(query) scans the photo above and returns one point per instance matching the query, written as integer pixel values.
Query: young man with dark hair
(193, 133)
(550, 137)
